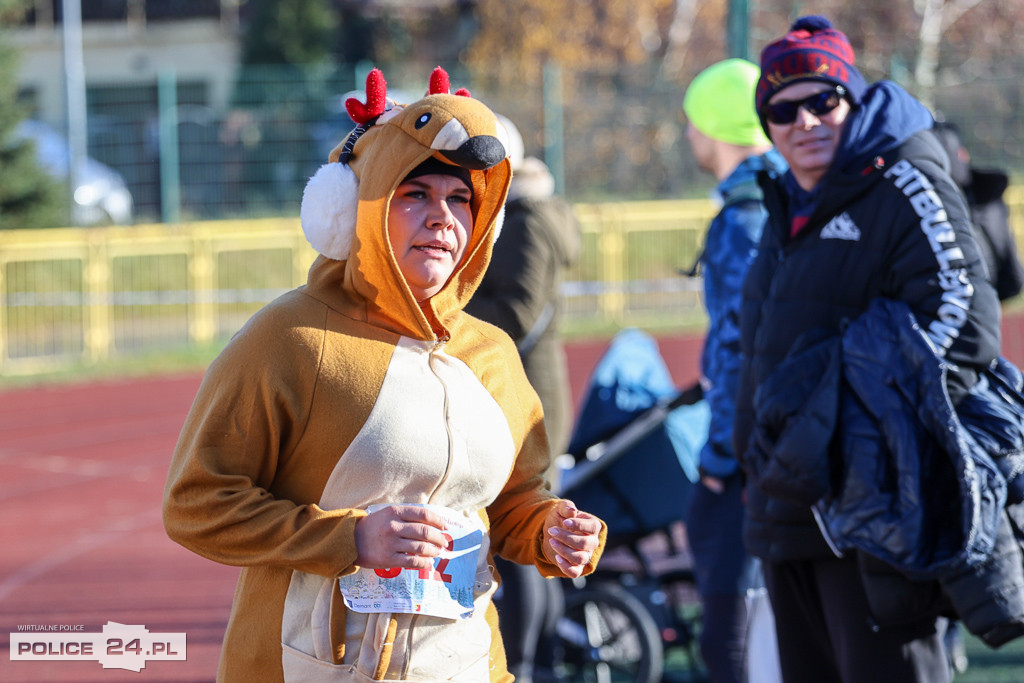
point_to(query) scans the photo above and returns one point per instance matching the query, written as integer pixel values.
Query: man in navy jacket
(867, 210)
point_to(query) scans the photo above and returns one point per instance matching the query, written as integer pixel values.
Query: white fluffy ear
(499, 221)
(328, 211)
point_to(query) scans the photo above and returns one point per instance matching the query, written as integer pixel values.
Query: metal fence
(80, 296)
(77, 296)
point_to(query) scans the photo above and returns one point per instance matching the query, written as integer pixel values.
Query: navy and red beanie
(811, 51)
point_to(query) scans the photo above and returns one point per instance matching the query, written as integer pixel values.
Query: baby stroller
(633, 461)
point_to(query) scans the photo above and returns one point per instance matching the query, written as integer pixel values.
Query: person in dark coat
(867, 210)
(520, 293)
(984, 190)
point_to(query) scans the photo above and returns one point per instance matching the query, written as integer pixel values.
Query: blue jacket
(924, 485)
(729, 248)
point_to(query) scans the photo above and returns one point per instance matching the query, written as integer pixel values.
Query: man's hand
(713, 484)
(570, 538)
(406, 536)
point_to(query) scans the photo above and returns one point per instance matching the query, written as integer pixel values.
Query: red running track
(82, 470)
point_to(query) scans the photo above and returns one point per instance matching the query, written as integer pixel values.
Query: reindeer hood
(345, 204)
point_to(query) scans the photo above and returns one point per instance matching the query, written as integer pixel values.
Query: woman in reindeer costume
(362, 447)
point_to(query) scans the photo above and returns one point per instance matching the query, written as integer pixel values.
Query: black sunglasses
(819, 104)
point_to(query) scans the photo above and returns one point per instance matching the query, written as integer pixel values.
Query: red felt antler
(376, 99)
(441, 85)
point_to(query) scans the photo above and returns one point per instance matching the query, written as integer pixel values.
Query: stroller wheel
(607, 636)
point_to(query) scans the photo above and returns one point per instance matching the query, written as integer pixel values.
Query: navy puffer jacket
(896, 472)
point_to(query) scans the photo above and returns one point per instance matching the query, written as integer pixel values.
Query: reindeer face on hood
(345, 205)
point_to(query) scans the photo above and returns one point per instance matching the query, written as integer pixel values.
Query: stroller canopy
(644, 482)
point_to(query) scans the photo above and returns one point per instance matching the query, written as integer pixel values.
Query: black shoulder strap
(540, 325)
(749, 191)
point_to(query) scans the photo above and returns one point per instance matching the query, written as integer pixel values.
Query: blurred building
(129, 42)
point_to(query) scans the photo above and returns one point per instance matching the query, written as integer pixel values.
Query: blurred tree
(304, 32)
(355, 35)
(518, 39)
(954, 40)
(285, 44)
(29, 197)
(950, 37)
(623, 67)
(425, 33)
(936, 17)
(292, 41)
(295, 32)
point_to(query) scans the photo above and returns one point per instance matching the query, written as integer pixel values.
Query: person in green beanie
(727, 140)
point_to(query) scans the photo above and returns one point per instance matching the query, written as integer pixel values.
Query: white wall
(123, 53)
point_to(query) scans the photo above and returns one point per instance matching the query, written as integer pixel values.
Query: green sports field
(985, 665)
